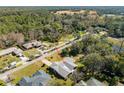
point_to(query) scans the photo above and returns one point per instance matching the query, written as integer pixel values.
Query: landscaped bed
(6, 60)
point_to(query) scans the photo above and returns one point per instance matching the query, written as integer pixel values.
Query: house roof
(61, 69)
(10, 50)
(36, 43)
(27, 45)
(64, 68)
(69, 62)
(37, 79)
(94, 82)
(81, 83)
(32, 44)
(120, 84)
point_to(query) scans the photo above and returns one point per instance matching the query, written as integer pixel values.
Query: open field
(6, 60)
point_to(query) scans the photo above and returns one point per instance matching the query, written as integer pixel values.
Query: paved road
(59, 47)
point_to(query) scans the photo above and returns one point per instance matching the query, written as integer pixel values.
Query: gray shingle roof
(37, 79)
(64, 68)
(32, 44)
(69, 62)
(10, 50)
(81, 83)
(61, 69)
(94, 82)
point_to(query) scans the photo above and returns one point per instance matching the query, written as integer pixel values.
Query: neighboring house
(64, 68)
(17, 52)
(14, 51)
(40, 78)
(81, 83)
(94, 82)
(120, 84)
(91, 82)
(32, 44)
(27, 45)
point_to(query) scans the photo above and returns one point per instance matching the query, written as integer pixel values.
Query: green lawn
(6, 60)
(27, 71)
(31, 53)
(55, 57)
(66, 38)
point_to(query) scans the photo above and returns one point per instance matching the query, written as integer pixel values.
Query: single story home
(94, 82)
(91, 82)
(17, 52)
(40, 78)
(64, 68)
(32, 44)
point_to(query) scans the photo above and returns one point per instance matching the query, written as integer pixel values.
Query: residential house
(94, 82)
(64, 68)
(6, 51)
(17, 52)
(32, 44)
(91, 82)
(40, 78)
(81, 83)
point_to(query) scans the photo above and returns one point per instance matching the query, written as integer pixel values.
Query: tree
(2, 83)
(64, 52)
(94, 63)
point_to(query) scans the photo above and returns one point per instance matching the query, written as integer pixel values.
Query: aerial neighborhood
(71, 46)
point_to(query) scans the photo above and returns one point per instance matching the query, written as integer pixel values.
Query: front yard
(6, 60)
(31, 53)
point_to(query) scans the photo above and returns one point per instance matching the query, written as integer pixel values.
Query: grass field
(31, 53)
(6, 60)
(66, 38)
(27, 71)
(55, 57)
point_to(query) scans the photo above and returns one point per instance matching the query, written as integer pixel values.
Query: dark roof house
(40, 78)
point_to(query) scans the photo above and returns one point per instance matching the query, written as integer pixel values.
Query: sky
(61, 2)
